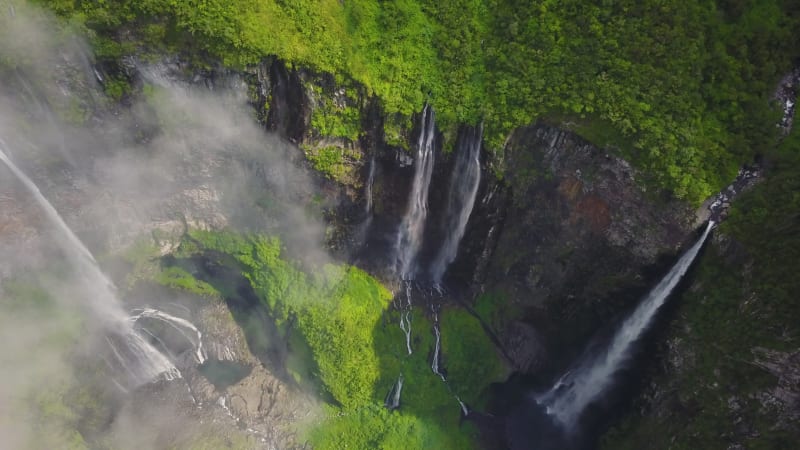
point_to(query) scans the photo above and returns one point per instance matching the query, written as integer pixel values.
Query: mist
(182, 154)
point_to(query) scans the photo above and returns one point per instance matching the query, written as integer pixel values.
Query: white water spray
(178, 324)
(579, 387)
(437, 347)
(464, 409)
(393, 398)
(141, 362)
(409, 235)
(405, 325)
(368, 187)
(464, 183)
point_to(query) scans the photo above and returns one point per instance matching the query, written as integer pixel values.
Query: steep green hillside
(681, 90)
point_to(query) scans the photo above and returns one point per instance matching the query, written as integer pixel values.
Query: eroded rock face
(579, 228)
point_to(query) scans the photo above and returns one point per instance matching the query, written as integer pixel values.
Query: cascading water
(139, 360)
(178, 324)
(405, 326)
(464, 183)
(437, 346)
(579, 387)
(409, 235)
(392, 400)
(368, 188)
(362, 230)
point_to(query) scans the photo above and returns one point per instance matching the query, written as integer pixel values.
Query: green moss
(374, 427)
(331, 120)
(343, 324)
(178, 278)
(117, 88)
(337, 163)
(396, 130)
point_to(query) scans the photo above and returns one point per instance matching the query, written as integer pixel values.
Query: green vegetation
(177, 278)
(340, 317)
(375, 427)
(333, 161)
(495, 310)
(333, 116)
(746, 297)
(41, 391)
(396, 129)
(117, 88)
(681, 90)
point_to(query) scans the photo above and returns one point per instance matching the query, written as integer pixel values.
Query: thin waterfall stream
(437, 345)
(591, 377)
(464, 181)
(368, 188)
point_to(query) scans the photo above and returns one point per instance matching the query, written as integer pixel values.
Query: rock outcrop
(578, 236)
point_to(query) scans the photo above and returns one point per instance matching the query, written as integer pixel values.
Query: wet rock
(786, 96)
(523, 345)
(784, 398)
(578, 228)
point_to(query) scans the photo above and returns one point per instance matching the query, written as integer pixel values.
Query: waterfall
(409, 235)
(405, 325)
(368, 188)
(464, 183)
(140, 361)
(579, 387)
(392, 400)
(178, 324)
(437, 347)
(463, 406)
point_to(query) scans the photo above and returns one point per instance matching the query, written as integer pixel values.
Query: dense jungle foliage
(681, 89)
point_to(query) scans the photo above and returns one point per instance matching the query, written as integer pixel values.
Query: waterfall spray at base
(178, 324)
(464, 181)
(135, 356)
(587, 380)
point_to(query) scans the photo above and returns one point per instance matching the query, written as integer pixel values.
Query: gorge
(398, 225)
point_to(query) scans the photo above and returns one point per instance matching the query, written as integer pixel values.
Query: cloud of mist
(183, 155)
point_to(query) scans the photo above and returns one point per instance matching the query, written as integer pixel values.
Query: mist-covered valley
(208, 250)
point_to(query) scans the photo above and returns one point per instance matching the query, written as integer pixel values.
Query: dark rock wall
(577, 238)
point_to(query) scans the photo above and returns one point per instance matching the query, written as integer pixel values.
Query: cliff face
(563, 244)
(567, 236)
(726, 375)
(559, 246)
(578, 238)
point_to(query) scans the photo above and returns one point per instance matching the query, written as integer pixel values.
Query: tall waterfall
(139, 360)
(464, 183)
(579, 387)
(409, 236)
